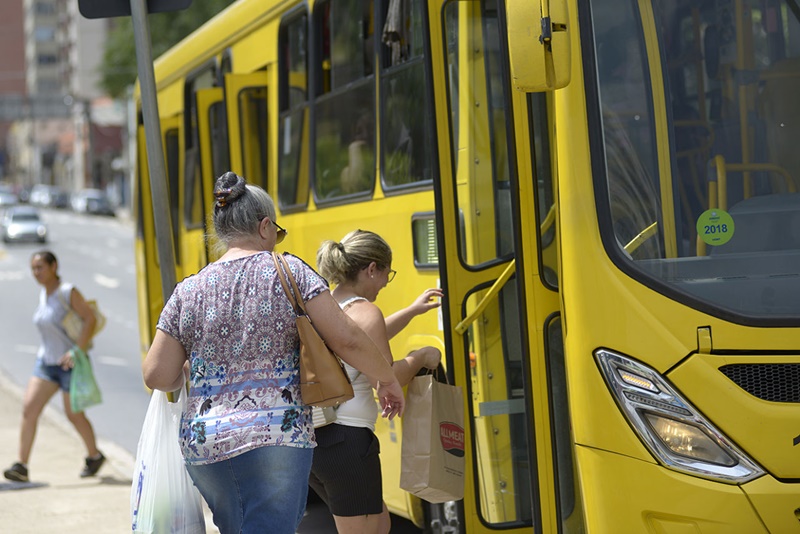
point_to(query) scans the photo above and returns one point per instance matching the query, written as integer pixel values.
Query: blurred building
(12, 66)
(66, 132)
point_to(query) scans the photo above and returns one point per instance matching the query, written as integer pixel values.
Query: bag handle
(282, 265)
(67, 306)
(435, 373)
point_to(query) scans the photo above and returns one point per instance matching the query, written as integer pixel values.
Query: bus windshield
(700, 116)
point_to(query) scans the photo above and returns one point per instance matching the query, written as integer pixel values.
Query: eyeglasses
(390, 276)
(281, 235)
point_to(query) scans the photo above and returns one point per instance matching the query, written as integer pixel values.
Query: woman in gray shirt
(54, 363)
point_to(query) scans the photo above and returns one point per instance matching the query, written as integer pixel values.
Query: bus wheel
(442, 518)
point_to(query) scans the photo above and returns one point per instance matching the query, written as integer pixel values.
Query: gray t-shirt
(47, 318)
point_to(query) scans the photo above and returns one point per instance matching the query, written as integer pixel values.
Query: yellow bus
(607, 192)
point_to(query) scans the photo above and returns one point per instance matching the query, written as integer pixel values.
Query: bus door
(498, 311)
(246, 102)
(213, 162)
(149, 263)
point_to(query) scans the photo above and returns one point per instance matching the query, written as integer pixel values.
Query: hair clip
(222, 195)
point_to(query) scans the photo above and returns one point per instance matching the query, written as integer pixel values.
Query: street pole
(155, 151)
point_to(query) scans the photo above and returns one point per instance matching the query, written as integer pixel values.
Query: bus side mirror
(538, 44)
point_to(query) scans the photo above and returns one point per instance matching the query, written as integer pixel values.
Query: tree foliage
(118, 69)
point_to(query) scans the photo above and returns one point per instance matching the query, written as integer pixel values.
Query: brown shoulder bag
(323, 379)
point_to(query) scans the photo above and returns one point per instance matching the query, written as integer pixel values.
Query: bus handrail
(500, 282)
(548, 220)
(492, 293)
(723, 167)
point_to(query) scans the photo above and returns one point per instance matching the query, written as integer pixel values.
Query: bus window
(172, 156)
(253, 124)
(293, 98)
(406, 137)
(545, 184)
(344, 141)
(500, 419)
(477, 99)
(699, 124)
(220, 158)
(193, 202)
(218, 120)
(628, 124)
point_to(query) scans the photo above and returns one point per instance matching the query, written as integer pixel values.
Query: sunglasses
(390, 276)
(281, 235)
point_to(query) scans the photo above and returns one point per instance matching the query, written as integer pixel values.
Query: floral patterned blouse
(238, 329)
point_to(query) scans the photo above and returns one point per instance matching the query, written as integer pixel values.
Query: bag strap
(435, 373)
(282, 265)
(59, 292)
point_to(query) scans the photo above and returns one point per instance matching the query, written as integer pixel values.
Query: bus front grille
(774, 382)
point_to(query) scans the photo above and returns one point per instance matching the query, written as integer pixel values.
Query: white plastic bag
(163, 498)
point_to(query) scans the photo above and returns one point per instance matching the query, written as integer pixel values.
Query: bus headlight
(673, 430)
(688, 440)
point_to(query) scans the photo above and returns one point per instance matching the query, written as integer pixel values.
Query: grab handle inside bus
(492, 293)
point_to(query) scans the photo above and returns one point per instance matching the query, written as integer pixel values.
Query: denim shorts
(262, 490)
(53, 373)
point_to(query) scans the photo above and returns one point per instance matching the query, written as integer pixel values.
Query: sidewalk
(57, 499)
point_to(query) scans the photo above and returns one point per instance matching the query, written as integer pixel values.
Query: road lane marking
(6, 276)
(112, 360)
(105, 281)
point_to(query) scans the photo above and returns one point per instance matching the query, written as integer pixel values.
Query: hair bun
(228, 188)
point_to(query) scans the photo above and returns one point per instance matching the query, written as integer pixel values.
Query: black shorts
(346, 471)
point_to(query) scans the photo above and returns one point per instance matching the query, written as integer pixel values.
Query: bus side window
(344, 134)
(195, 182)
(293, 122)
(406, 131)
(480, 129)
(172, 157)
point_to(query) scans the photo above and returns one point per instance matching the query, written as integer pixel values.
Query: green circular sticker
(715, 227)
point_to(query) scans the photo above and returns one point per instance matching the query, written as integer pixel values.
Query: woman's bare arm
(355, 347)
(425, 302)
(162, 368)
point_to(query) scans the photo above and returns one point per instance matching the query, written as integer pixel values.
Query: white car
(23, 223)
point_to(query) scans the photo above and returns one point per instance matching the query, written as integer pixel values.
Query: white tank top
(362, 410)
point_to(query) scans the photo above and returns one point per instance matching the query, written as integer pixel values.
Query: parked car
(92, 201)
(7, 196)
(23, 223)
(49, 196)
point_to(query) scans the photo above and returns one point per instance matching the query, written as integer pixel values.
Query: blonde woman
(346, 471)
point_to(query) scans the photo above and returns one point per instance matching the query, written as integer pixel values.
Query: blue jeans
(263, 490)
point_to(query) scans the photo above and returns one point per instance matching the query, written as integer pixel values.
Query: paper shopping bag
(432, 452)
